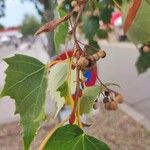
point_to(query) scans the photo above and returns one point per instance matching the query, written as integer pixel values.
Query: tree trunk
(48, 16)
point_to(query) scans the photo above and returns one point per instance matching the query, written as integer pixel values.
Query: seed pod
(119, 98)
(96, 56)
(83, 62)
(113, 105)
(91, 58)
(107, 106)
(101, 54)
(74, 3)
(105, 100)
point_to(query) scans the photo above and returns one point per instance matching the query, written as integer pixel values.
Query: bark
(49, 7)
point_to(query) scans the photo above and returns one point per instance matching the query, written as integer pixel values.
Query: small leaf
(143, 62)
(50, 26)
(61, 32)
(90, 26)
(66, 93)
(71, 137)
(88, 99)
(57, 77)
(26, 83)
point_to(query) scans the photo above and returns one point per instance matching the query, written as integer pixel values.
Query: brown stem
(77, 19)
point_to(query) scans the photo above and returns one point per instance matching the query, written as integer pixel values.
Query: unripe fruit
(74, 3)
(83, 62)
(113, 105)
(119, 98)
(101, 54)
(107, 106)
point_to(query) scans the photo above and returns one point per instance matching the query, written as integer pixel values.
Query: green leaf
(139, 31)
(57, 77)
(88, 99)
(71, 137)
(90, 26)
(106, 14)
(143, 62)
(60, 34)
(26, 83)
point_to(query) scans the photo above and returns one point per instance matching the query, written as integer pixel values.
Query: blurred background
(126, 64)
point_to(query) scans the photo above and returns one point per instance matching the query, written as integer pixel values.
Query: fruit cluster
(112, 103)
(87, 62)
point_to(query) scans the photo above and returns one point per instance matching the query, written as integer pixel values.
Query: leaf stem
(41, 147)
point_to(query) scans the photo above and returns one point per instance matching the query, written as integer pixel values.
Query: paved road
(118, 67)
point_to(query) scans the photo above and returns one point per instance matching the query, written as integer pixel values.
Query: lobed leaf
(71, 137)
(26, 83)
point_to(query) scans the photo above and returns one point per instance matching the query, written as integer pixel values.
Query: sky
(15, 11)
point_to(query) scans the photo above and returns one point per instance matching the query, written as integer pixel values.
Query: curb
(136, 115)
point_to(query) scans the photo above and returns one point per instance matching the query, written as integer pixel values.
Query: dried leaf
(50, 26)
(131, 14)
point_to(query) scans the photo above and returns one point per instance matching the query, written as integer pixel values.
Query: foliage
(2, 8)
(1, 26)
(143, 62)
(26, 83)
(73, 138)
(28, 80)
(29, 25)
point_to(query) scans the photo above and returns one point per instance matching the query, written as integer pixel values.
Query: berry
(101, 54)
(119, 98)
(74, 3)
(83, 62)
(113, 105)
(107, 106)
